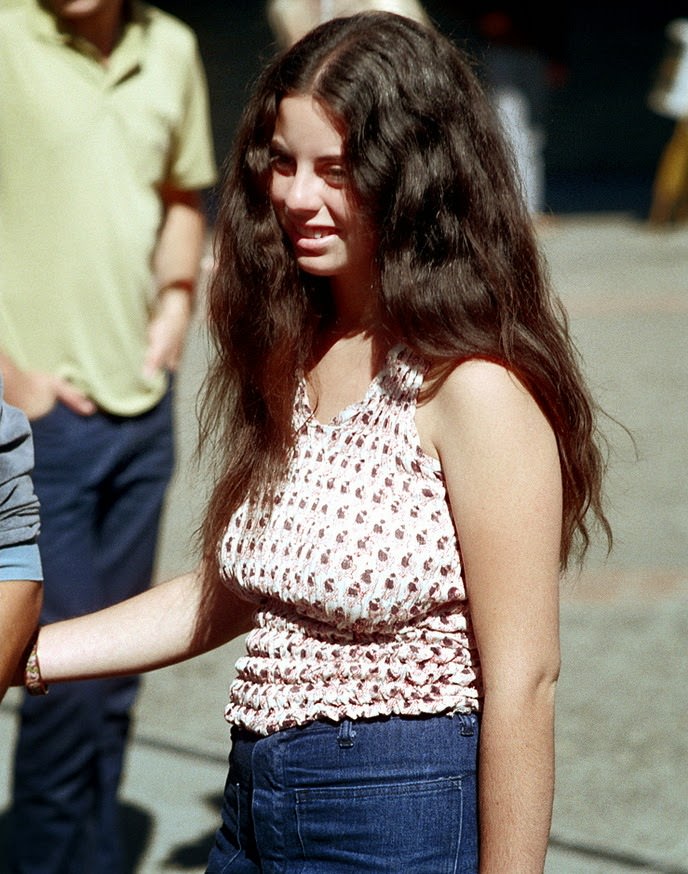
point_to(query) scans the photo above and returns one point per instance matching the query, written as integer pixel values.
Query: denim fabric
(390, 795)
(101, 481)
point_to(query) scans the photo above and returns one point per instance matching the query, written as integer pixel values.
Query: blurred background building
(603, 140)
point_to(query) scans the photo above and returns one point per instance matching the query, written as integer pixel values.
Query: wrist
(33, 681)
(188, 286)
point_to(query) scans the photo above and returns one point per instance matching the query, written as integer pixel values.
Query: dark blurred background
(603, 142)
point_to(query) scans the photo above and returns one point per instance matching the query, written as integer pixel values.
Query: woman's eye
(335, 174)
(281, 163)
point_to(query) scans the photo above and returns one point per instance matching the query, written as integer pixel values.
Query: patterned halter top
(355, 571)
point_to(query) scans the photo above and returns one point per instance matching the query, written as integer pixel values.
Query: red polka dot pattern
(356, 573)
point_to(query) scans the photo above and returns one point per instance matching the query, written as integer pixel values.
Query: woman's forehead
(302, 119)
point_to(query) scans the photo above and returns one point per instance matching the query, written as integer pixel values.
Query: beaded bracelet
(32, 673)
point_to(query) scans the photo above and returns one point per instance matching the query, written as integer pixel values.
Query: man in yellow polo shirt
(105, 148)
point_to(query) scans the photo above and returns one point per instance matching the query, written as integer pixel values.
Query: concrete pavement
(622, 756)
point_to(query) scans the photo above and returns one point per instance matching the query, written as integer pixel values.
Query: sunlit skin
(313, 203)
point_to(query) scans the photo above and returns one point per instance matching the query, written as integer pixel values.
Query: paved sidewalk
(621, 803)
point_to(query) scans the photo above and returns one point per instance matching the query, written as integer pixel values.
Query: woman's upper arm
(501, 464)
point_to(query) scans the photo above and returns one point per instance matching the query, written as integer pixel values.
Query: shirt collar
(127, 55)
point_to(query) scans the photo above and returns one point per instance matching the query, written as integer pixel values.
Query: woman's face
(310, 194)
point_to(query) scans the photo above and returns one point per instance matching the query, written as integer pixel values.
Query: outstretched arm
(171, 622)
(501, 464)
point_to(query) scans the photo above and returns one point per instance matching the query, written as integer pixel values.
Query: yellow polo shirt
(84, 150)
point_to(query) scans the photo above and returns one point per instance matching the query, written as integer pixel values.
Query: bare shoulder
(479, 383)
(500, 460)
(483, 403)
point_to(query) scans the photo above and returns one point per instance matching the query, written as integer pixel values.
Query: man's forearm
(180, 247)
(20, 606)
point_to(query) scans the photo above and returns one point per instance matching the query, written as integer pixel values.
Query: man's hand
(37, 393)
(167, 332)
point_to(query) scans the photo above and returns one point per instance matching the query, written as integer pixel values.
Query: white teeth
(313, 235)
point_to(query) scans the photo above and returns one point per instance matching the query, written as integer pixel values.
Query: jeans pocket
(384, 827)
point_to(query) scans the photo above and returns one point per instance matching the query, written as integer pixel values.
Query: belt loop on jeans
(346, 734)
(467, 723)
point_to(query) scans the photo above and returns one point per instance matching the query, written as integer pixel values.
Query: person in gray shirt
(20, 565)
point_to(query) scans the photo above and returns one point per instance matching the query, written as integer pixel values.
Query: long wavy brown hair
(460, 272)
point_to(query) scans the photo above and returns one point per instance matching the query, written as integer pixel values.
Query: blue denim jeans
(390, 795)
(101, 480)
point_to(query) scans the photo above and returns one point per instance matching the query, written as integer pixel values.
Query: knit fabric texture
(355, 570)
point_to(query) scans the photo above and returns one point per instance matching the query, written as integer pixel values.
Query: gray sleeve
(19, 519)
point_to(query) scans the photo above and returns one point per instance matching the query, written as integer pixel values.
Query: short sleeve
(19, 518)
(22, 562)
(192, 165)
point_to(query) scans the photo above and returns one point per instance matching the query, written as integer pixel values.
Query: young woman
(407, 459)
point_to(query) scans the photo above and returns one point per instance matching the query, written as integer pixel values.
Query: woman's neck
(356, 338)
(354, 307)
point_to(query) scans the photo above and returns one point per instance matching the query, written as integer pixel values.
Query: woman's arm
(169, 623)
(501, 463)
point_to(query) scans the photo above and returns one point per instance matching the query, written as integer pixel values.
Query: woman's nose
(303, 194)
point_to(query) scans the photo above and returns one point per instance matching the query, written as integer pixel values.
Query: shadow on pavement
(629, 861)
(195, 853)
(137, 829)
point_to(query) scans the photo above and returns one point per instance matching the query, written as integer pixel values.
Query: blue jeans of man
(101, 481)
(389, 796)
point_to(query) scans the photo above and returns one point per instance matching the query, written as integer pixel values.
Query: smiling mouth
(313, 233)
